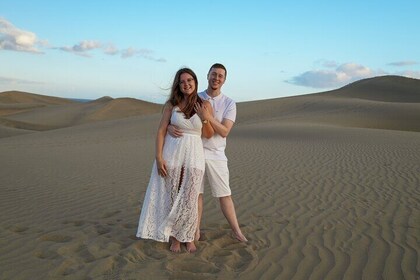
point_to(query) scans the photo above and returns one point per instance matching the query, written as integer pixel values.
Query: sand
(326, 186)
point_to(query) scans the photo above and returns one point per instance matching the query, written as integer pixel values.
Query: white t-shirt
(223, 108)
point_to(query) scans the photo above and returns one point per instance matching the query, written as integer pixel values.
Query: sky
(271, 49)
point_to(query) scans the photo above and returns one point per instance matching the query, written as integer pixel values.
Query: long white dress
(170, 206)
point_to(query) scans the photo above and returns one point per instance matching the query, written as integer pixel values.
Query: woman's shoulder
(168, 106)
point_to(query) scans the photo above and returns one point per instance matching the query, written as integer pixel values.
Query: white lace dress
(170, 204)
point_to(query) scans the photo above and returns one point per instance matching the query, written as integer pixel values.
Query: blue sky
(90, 49)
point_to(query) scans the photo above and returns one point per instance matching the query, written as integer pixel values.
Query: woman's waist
(191, 132)
(187, 134)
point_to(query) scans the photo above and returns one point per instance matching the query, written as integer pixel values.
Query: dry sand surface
(326, 186)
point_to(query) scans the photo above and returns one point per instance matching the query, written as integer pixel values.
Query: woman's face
(186, 84)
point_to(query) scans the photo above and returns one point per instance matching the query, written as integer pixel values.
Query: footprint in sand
(185, 270)
(46, 254)
(55, 237)
(110, 214)
(151, 249)
(129, 226)
(76, 223)
(45, 251)
(102, 229)
(224, 252)
(18, 229)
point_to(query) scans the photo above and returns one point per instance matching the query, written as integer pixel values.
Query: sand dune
(384, 89)
(47, 116)
(124, 107)
(25, 97)
(320, 194)
(346, 107)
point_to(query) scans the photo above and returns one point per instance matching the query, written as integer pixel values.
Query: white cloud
(128, 52)
(327, 63)
(144, 53)
(340, 76)
(12, 38)
(410, 74)
(354, 71)
(13, 81)
(403, 63)
(83, 47)
(15, 39)
(110, 49)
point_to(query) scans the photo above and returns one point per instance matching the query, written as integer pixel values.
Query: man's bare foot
(239, 236)
(175, 245)
(191, 247)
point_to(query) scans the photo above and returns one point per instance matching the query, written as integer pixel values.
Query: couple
(191, 138)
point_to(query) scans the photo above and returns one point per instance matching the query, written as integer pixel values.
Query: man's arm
(223, 128)
(174, 131)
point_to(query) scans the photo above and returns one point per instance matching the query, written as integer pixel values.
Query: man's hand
(174, 131)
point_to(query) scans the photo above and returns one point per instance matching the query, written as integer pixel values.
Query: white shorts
(217, 174)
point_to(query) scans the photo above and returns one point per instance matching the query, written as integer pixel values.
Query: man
(217, 172)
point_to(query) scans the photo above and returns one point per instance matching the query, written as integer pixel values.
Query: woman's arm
(160, 140)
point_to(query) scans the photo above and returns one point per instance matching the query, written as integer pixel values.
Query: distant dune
(124, 107)
(31, 112)
(386, 89)
(387, 102)
(18, 97)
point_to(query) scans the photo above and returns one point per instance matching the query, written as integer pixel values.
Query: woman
(169, 211)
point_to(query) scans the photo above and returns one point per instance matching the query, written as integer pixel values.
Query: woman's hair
(177, 96)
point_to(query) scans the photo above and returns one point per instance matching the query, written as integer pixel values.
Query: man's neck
(213, 93)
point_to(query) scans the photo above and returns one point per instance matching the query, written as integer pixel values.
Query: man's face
(216, 78)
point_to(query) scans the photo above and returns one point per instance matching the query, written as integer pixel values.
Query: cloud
(327, 63)
(403, 63)
(144, 53)
(83, 47)
(13, 81)
(110, 49)
(15, 39)
(341, 75)
(410, 74)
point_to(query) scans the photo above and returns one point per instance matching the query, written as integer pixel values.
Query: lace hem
(171, 205)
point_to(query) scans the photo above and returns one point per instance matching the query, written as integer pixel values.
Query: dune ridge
(323, 190)
(43, 114)
(14, 96)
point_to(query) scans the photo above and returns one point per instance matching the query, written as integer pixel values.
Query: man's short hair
(220, 66)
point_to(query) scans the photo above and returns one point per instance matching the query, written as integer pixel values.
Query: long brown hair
(177, 96)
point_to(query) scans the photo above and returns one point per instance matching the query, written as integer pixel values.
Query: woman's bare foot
(175, 245)
(191, 247)
(239, 236)
(197, 235)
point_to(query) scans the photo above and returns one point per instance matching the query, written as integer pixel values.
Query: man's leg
(228, 209)
(218, 175)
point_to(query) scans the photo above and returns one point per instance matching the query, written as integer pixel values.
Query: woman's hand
(202, 111)
(161, 167)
